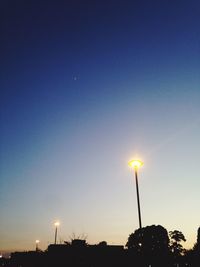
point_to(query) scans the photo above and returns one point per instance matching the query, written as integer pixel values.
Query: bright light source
(37, 241)
(135, 163)
(56, 224)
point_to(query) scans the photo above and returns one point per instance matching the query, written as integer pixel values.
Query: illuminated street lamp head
(37, 241)
(56, 224)
(135, 164)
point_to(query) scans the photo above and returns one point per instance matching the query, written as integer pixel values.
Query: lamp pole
(37, 242)
(135, 164)
(138, 198)
(56, 231)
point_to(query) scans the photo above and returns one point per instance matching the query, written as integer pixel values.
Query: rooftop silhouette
(150, 246)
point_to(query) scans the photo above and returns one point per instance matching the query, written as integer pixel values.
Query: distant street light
(56, 231)
(36, 243)
(136, 164)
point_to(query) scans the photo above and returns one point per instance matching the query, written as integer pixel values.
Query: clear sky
(85, 87)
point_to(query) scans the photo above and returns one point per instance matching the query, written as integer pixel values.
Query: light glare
(135, 163)
(56, 224)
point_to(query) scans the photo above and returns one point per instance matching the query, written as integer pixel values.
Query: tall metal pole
(36, 246)
(56, 234)
(138, 198)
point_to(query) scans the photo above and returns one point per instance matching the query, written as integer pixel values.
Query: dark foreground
(83, 255)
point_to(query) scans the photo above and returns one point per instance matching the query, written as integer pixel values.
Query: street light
(36, 243)
(136, 164)
(56, 224)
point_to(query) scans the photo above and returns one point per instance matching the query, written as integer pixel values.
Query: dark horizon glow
(85, 87)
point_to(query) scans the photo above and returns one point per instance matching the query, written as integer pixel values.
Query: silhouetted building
(79, 253)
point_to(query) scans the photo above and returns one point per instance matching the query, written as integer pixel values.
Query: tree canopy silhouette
(197, 245)
(150, 237)
(175, 246)
(151, 243)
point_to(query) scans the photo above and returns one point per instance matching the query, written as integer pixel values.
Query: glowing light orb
(135, 163)
(56, 224)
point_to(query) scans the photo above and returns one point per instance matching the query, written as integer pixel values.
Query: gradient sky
(85, 87)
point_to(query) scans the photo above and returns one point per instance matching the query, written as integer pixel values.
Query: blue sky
(85, 87)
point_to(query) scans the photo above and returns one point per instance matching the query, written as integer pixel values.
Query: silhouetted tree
(102, 244)
(150, 243)
(193, 256)
(176, 237)
(197, 244)
(175, 246)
